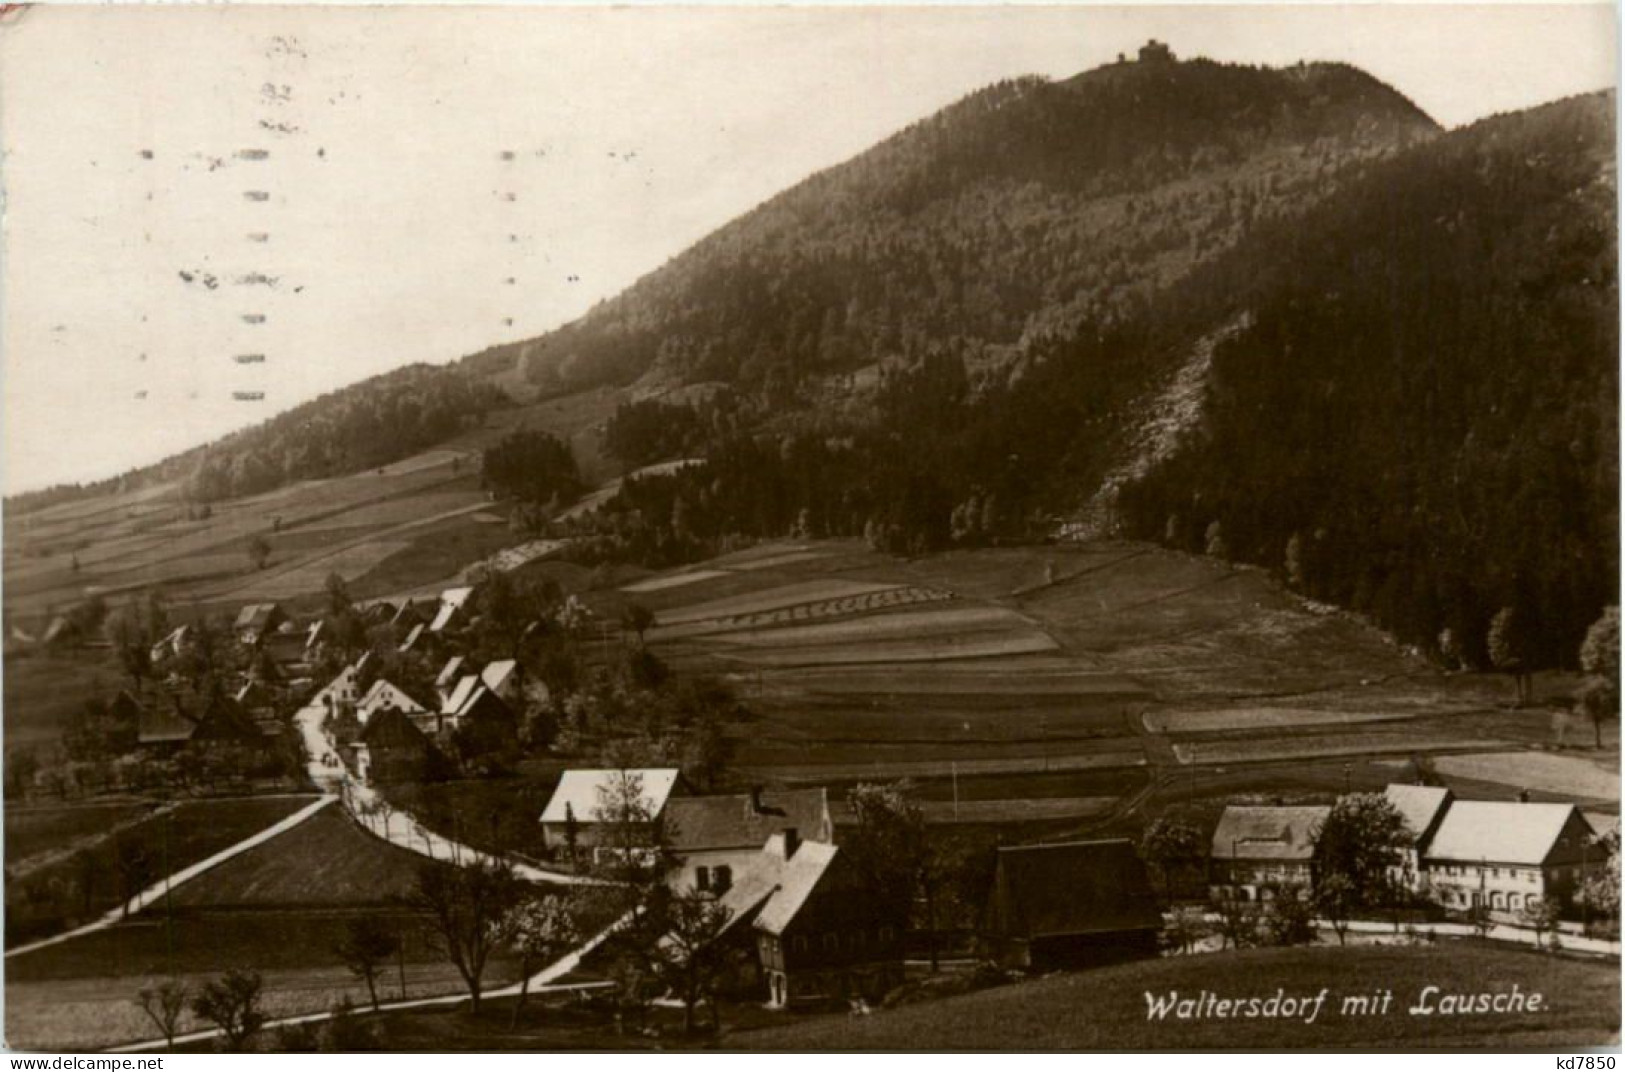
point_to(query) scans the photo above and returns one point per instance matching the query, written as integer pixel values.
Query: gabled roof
(163, 725)
(1247, 832)
(224, 719)
(496, 674)
(256, 616)
(694, 824)
(797, 878)
(343, 682)
(1421, 806)
(60, 629)
(579, 789)
(1078, 887)
(392, 728)
(411, 638)
(459, 697)
(451, 601)
(383, 695)
(1496, 831)
(448, 673)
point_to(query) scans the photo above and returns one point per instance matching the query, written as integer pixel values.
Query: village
(731, 893)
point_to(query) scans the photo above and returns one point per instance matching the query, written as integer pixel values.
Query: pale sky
(394, 219)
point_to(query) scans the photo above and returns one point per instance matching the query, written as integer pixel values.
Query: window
(702, 878)
(722, 878)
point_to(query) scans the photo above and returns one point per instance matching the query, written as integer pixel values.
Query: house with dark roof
(391, 748)
(1500, 855)
(1258, 849)
(1070, 905)
(804, 912)
(162, 729)
(718, 837)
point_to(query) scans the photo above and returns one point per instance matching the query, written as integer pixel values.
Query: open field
(1106, 1009)
(50, 828)
(1571, 776)
(325, 861)
(167, 842)
(42, 691)
(80, 994)
(1185, 664)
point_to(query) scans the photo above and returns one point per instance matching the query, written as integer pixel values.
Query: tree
(163, 1005)
(1361, 838)
(1238, 922)
(637, 619)
(1509, 643)
(689, 960)
(365, 949)
(468, 911)
(1171, 846)
(1540, 915)
(1185, 929)
(259, 551)
(1600, 891)
(232, 1004)
(1289, 919)
(889, 850)
(1335, 899)
(542, 929)
(1599, 658)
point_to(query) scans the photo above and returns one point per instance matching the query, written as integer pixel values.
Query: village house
(576, 808)
(483, 721)
(1423, 808)
(718, 837)
(1258, 849)
(815, 937)
(1502, 854)
(257, 620)
(1070, 905)
(383, 695)
(390, 748)
(162, 730)
(451, 613)
(173, 645)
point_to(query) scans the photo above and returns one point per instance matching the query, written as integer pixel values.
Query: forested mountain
(1410, 409)
(1021, 211)
(369, 423)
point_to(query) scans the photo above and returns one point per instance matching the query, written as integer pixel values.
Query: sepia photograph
(819, 528)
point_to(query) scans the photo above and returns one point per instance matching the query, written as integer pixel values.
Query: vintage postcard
(816, 528)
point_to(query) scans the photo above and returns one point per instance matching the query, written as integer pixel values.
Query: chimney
(792, 841)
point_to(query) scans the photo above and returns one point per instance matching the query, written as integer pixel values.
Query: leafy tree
(1289, 918)
(533, 467)
(232, 1004)
(365, 949)
(1599, 658)
(1600, 891)
(1239, 922)
(542, 929)
(888, 847)
(1336, 899)
(1508, 644)
(468, 910)
(637, 619)
(1172, 846)
(1360, 839)
(259, 551)
(1539, 915)
(1186, 927)
(163, 1005)
(690, 961)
